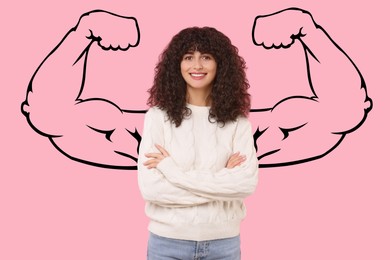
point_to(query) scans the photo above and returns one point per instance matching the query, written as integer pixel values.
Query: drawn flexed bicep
(94, 130)
(300, 128)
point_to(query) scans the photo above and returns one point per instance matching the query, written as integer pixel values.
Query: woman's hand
(235, 160)
(156, 158)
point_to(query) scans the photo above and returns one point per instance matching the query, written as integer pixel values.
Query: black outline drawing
(308, 52)
(107, 133)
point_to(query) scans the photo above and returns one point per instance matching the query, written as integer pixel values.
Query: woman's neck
(198, 97)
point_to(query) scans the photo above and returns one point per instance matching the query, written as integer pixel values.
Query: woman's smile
(198, 76)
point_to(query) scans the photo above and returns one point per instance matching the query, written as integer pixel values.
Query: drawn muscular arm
(302, 128)
(93, 131)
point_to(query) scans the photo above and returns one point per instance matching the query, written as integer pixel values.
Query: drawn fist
(280, 29)
(111, 31)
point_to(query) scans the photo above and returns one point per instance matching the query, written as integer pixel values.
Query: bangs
(202, 47)
(198, 39)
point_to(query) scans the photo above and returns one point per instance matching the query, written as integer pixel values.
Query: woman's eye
(187, 58)
(207, 57)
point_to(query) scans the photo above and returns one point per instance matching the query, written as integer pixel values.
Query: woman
(197, 160)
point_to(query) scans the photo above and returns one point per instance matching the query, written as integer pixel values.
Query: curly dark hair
(229, 94)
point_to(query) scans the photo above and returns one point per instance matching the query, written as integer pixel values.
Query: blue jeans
(162, 248)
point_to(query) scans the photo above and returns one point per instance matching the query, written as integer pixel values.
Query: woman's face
(198, 70)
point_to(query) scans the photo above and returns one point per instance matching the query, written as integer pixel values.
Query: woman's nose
(198, 64)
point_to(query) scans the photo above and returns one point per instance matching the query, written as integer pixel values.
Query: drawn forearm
(334, 78)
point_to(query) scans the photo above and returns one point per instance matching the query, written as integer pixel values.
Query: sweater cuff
(167, 166)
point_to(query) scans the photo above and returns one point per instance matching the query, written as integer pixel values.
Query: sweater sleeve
(225, 184)
(153, 185)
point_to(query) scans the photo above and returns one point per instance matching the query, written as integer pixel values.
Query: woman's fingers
(238, 161)
(154, 155)
(235, 160)
(156, 158)
(152, 163)
(162, 150)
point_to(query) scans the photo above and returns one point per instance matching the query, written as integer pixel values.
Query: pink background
(55, 208)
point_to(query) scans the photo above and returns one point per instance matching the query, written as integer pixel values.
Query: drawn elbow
(353, 112)
(41, 115)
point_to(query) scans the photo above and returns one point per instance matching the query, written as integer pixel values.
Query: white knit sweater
(191, 195)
